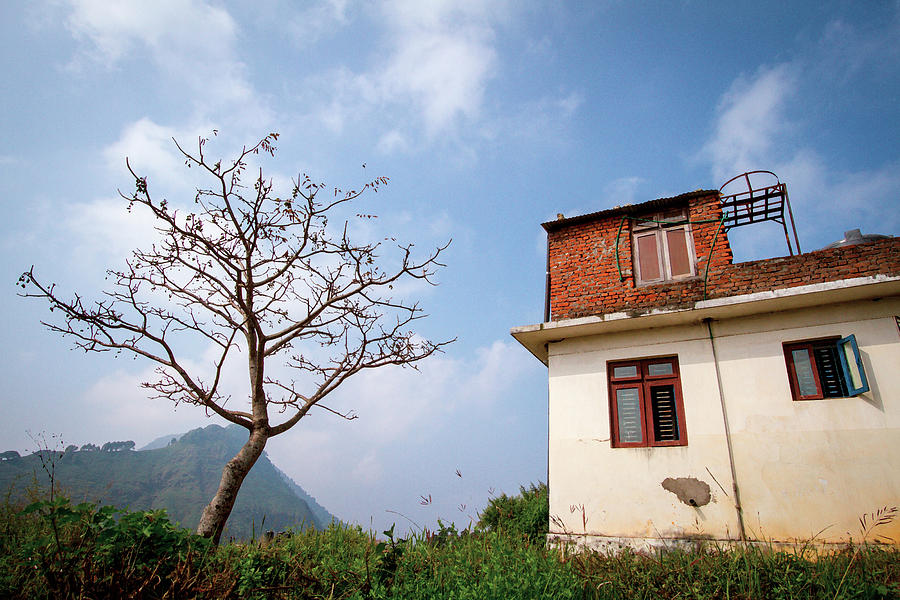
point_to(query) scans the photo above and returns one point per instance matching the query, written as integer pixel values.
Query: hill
(181, 476)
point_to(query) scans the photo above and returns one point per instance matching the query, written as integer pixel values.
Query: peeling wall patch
(689, 490)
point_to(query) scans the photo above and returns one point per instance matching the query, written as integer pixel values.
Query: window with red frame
(825, 368)
(646, 407)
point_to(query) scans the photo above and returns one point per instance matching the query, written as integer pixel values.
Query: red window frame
(846, 382)
(792, 368)
(643, 382)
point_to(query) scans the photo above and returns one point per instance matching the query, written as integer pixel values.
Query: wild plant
(868, 523)
(526, 514)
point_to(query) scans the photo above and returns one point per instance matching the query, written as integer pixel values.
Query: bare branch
(242, 268)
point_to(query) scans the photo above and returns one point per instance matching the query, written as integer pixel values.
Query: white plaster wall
(812, 468)
(621, 488)
(801, 466)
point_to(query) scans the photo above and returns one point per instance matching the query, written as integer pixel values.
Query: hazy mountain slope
(323, 517)
(180, 477)
(161, 442)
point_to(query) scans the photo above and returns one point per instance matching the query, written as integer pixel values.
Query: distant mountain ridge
(322, 516)
(180, 474)
(161, 442)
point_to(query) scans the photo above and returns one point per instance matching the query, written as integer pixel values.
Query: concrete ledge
(536, 337)
(605, 544)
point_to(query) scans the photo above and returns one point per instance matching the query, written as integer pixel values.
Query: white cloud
(829, 200)
(622, 191)
(400, 408)
(313, 22)
(539, 123)
(753, 130)
(151, 151)
(392, 401)
(499, 364)
(102, 230)
(441, 59)
(428, 80)
(190, 41)
(165, 26)
(122, 405)
(148, 147)
(443, 72)
(845, 51)
(430, 73)
(369, 469)
(123, 409)
(392, 142)
(750, 122)
(570, 103)
(106, 231)
(442, 226)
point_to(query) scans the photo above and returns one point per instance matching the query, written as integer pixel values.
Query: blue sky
(489, 118)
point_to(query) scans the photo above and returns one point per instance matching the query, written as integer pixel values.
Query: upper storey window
(663, 249)
(826, 368)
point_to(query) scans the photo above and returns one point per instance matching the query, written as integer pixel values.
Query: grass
(53, 549)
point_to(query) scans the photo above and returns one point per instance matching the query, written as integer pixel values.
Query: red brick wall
(584, 279)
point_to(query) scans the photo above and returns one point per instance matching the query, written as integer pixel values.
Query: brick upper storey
(587, 279)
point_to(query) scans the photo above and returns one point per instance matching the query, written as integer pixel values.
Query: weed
(524, 515)
(868, 523)
(103, 552)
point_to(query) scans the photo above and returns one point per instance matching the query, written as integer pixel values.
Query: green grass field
(54, 549)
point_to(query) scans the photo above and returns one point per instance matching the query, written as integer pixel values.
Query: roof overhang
(536, 338)
(629, 209)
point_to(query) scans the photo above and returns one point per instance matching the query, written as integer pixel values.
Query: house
(692, 397)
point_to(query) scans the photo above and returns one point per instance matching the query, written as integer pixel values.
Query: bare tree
(248, 271)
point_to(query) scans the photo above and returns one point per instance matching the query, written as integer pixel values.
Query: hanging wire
(682, 222)
(618, 266)
(711, 248)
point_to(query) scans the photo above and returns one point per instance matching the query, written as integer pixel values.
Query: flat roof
(537, 337)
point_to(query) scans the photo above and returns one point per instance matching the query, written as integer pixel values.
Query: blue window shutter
(852, 367)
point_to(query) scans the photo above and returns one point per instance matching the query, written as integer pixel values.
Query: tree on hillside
(117, 446)
(252, 272)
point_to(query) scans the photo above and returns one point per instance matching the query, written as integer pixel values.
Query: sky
(489, 118)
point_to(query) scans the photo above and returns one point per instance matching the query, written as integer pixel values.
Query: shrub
(526, 514)
(61, 550)
(54, 549)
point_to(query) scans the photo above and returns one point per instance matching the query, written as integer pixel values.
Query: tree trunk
(216, 513)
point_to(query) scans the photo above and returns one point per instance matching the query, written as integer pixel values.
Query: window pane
(661, 368)
(665, 417)
(648, 257)
(806, 381)
(679, 258)
(852, 366)
(628, 407)
(625, 372)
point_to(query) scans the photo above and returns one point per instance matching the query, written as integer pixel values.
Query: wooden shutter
(680, 263)
(830, 376)
(664, 413)
(663, 402)
(649, 260)
(852, 366)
